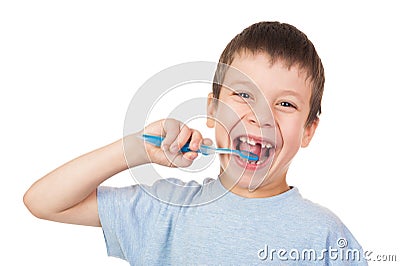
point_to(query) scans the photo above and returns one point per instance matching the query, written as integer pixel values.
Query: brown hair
(280, 41)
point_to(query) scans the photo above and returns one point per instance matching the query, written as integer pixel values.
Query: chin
(246, 181)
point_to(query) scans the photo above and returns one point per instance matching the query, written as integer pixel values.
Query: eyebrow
(239, 82)
(293, 93)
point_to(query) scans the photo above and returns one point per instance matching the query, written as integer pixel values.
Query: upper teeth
(252, 142)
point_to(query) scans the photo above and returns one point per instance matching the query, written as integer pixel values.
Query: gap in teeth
(252, 142)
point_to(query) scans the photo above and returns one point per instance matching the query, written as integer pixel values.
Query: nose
(261, 115)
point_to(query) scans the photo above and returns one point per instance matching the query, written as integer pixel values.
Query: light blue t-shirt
(281, 230)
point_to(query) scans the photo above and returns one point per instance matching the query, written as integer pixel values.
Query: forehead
(262, 72)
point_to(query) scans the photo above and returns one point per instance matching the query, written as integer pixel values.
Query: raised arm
(68, 194)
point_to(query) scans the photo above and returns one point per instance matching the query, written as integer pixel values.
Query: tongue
(256, 149)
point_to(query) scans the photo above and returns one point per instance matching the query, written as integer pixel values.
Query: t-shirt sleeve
(125, 217)
(343, 248)
(339, 246)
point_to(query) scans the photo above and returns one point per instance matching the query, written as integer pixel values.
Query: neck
(263, 191)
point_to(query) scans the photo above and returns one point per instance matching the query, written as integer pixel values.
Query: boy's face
(269, 112)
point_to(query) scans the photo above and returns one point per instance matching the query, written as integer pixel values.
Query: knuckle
(198, 134)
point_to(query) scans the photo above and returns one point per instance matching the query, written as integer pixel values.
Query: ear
(211, 106)
(309, 133)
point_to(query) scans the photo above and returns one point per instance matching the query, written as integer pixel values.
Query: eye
(287, 105)
(243, 95)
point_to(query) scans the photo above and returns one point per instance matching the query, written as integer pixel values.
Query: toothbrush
(204, 149)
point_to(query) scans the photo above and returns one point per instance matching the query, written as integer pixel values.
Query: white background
(68, 70)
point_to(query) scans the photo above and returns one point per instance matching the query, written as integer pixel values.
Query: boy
(254, 216)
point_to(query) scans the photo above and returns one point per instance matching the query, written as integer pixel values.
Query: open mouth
(262, 148)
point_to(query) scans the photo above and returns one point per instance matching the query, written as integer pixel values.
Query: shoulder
(177, 192)
(170, 190)
(119, 203)
(314, 213)
(319, 220)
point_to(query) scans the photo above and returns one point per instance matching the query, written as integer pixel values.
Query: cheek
(221, 135)
(291, 134)
(230, 110)
(228, 117)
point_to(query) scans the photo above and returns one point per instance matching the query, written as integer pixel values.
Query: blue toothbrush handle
(157, 140)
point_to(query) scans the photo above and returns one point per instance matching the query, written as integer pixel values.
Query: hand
(176, 135)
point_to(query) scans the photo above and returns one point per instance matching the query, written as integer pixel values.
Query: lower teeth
(267, 153)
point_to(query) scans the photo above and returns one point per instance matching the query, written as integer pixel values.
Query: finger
(171, 129)
(190, 155)
(207, 142)
(195, 140)
(183, 137)
(184, 160)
